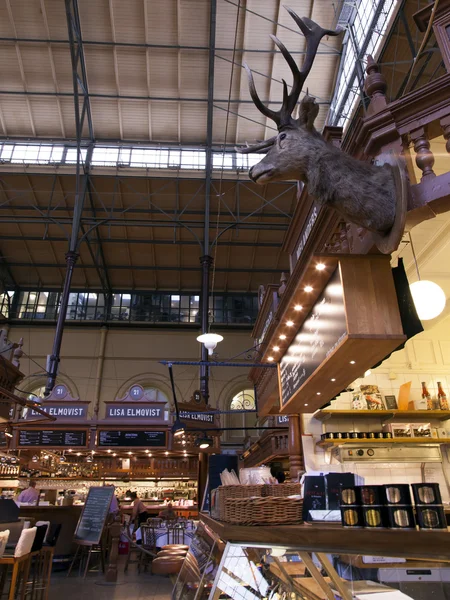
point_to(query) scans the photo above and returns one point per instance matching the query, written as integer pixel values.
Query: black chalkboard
(320, 334)
(93, 516)
(127, 439)
(52, 437)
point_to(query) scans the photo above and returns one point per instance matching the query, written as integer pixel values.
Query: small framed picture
(391, 402)
(402, 430)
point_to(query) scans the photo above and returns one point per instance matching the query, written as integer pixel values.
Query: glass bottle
(426, 396)
(442, 398)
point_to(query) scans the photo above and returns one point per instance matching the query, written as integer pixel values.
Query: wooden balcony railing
(271, 446)
(409, 126)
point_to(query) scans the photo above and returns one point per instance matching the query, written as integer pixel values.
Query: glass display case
(372, 570)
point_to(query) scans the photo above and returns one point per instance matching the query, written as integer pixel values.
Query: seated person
(168, 512)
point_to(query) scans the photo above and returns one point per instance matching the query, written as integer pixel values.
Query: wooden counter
(338, 540)
(67, 516)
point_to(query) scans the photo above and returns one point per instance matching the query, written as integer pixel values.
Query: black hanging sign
(319, 336)
(93, 516)
(56, 438)
(132, 439)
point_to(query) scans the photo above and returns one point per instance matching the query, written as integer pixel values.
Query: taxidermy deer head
(363, 193)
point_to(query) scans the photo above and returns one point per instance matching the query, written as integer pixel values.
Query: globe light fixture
(429, 299)
(210, 340)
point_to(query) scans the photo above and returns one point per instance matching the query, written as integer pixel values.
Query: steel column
(82, 113)
(206, 260)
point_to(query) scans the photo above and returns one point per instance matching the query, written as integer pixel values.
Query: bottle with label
(427, 397)
(443, 402)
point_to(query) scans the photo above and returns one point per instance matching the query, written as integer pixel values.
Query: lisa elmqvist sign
(128, 411)
(61, 410)
(319, 336)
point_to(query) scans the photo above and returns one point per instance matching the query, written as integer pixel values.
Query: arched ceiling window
(244, 400)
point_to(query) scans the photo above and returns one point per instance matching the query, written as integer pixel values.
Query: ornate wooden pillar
(424, 156)
(203, 464)
(445, 124)
(295, 446)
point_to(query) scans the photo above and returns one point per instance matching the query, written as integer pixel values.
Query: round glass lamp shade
(210, 340)
(429, 299)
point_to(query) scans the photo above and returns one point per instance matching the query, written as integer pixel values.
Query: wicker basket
(285, 489)
(226, 492)
(271, 510)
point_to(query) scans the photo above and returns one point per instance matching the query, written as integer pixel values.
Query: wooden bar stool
(15, 568)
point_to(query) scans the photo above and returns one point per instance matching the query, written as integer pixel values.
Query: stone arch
(32, 382)
(149, 380)
(229, 391)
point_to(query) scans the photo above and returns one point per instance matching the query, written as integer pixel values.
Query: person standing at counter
(30, 495)
(139, 511)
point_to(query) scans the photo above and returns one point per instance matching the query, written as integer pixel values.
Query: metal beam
(145, 268)
(16, 40)
(133, 97)
(82, 114)
(154, 242)
(206, 260)
(142, 223)
(148, 211)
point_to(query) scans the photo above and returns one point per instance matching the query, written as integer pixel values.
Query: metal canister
(400, 517)
(348, 496)
(431, 516)
(374, 516)
(370, 495)
(396, 493)
(351, 516)
(426, 493)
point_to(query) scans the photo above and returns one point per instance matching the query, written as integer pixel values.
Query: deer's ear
(308, 112)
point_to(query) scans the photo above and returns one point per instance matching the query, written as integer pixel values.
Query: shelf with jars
(385, 415)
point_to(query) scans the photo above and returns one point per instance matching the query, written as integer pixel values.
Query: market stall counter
(314, 562)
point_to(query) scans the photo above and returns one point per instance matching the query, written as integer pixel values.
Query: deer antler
(313, 34)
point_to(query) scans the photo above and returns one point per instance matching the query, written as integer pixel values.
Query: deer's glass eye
(282, 137)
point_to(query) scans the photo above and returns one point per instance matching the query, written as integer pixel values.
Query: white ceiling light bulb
(210, 340)
(429, 299)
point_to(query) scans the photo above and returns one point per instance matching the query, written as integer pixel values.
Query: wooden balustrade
(409, 124)
(270, 446)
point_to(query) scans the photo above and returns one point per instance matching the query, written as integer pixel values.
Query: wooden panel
(369, 295)
(317, 538)
(319, 388)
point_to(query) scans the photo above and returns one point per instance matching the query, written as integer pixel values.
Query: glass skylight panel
(6, 151)
(71, 155)
(174, 158)
(368, 36)
(23, 153)
(105, 156)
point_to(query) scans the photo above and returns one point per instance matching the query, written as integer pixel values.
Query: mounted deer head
(362, 193)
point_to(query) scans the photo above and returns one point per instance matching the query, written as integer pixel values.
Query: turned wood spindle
(375, 86)
(445, 124)
(424, 156)
(295, 447)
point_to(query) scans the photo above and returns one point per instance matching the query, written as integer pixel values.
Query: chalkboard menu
(2, 438)
(93, 516)
(321, 333)
(52, 437)
(155, 439)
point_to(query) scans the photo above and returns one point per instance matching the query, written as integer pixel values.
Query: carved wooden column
(445, 124)
(202, 477)
(295, 446)
(424, 156)
(375, 87)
